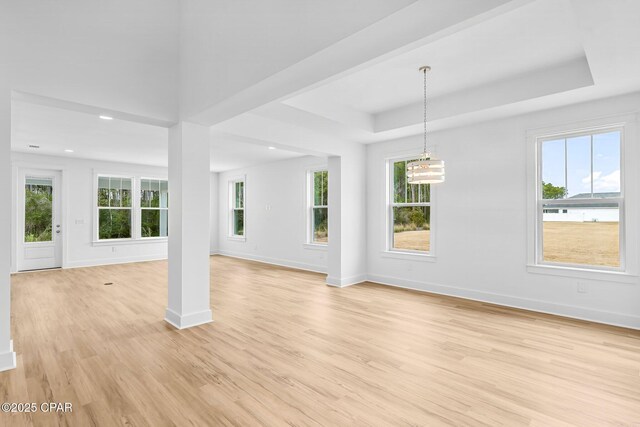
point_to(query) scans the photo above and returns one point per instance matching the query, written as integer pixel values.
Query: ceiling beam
(417, 24)
(231, 138)
(30, 98)
(287, 135)
(563, 77)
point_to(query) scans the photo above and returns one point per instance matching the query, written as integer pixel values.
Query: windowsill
(583, 273)
(315, 246)
(113, 242)
(237, 238)
(417, 256)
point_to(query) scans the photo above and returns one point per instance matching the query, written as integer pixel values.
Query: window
(114, 208)
(236, 216)
(409, 211)
(154, 208)
(580, 200)
(319, 207)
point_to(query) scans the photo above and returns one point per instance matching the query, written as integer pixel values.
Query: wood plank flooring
(285, 349)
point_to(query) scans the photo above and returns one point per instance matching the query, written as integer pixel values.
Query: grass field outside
(584, 243)
(588, 243)
(418, 240)
(320, 238)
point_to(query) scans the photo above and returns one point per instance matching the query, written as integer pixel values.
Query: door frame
(16, 240)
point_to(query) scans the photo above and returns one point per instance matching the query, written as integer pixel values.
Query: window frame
(232, 208)
(141, 208)
(97, 208)
(311, 206)
(389, 250)
(136, 219)
(620, 201)
(630, 151)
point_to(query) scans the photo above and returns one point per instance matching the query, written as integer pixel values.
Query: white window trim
(310, 190)
(135, 211)
(231, 208)
(628, 202)
(389, 251)
(140, 209)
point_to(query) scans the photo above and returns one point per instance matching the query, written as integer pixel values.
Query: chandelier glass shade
(426, 169)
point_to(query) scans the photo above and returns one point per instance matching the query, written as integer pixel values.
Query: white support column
(189, 196)
(7, 356)
(347, 218)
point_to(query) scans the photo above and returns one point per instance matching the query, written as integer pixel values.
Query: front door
(39, 219)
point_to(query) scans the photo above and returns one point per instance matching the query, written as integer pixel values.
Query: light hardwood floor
(285, 349)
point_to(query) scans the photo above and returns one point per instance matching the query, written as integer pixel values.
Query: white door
(39, 219)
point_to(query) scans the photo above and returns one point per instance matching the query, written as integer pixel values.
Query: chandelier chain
(425, 169)
(425, 112)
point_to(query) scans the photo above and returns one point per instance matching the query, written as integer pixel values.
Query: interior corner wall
(213, 213)
(78, 210)
(347, 217)
(276, 214)
(481, 220)
(7, 355)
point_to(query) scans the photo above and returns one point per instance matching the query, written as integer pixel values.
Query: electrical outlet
(582, 288)
(113, 248)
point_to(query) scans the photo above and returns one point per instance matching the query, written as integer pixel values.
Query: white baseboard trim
(343, 282)
(111, 261)
(8, 359)
(190, 320)
(574, 312)
(274, 261)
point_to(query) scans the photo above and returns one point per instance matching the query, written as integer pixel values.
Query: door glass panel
(38, 209)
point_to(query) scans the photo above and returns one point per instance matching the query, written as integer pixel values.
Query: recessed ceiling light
(68, 151)
(272, 148)
(106, 118)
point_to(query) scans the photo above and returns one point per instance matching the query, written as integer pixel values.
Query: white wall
(481, 221)
(275, 214)
(347, 218)
(78, 211)
(214, 213)
(7, 355)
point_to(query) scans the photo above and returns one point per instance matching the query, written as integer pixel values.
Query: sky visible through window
(606, 163)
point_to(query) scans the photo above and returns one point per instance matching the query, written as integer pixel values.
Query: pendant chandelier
(425, 170)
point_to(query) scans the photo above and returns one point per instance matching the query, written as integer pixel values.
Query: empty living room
(320, 213)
